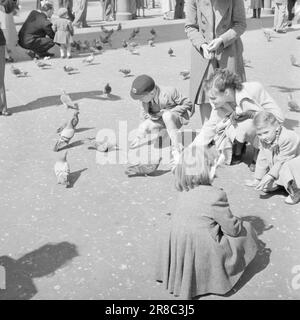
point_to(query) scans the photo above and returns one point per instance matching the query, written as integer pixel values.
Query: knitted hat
(141, 86)
(62, 12)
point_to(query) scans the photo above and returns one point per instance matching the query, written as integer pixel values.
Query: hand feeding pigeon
(185, 74)
(292, 104)
(126, 72)
(62, 170)
(294, 61)
(107, 89)
(142, 169)
(89, 59)
(65, 136)
(18, 72)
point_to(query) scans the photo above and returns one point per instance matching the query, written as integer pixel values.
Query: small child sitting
(63, 32)
(204, 249)
(278, 161)
(162, 108)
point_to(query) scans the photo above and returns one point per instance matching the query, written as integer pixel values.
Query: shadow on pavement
(74, 176)
(36, 264)
(285, 89)
(55, 100)
(291, 123)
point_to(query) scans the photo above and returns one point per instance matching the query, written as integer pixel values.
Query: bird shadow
(50, 101)
(20, 273)
(129, 76)
(259, 262)
(71, 73)
(291, 123)
(73, 145)
(92, 64)
(74, 176)
(83, 129)
(285, 89)
(158, 173)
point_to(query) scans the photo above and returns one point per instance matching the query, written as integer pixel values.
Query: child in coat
(162, 108)
(63, 32)
(205, 248)
(278, 161)
(234, 104)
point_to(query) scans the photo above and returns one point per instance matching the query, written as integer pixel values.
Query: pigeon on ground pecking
(142, 169)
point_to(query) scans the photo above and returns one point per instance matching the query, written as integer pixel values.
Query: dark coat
(229, 23)
(37, 25)
(205, 248)
(9, 6)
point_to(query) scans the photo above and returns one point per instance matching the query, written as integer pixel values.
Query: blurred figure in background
(290, 6)
(280, 17)
(256, 6)
(108, 9)
(168, 7)
(68, 4)
(80, 12)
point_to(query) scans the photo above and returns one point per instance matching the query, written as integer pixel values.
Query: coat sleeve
(180, 100)
(48, 29)
(229, 224)
(262, 165)
(192, 26)
(238, 23)
(287, 151)
(269, 104)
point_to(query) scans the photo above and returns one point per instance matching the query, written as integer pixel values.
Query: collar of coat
(220, 7)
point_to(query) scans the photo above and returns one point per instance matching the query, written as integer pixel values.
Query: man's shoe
(31, 54)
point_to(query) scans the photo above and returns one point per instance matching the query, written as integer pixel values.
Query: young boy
(234, 104)
(278, 161)
(162, 108)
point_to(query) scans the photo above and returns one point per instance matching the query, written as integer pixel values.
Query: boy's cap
(141, 86)
(62, 12)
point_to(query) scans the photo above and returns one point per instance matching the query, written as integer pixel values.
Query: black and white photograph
(150, 151)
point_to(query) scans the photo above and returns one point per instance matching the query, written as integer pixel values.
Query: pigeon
(267, 34)
(97, 45)
(74, 120)
(142, 169)
(151, 43)
(294, 61)
(18, 72)
(136, 30)
(86, 45)
(62, 170)
(292, 104)
(102, 146)
(170, 52)
(153, 32)
(247, 63)
(41, 64)
(89, 59)
(106, 39)
(119, 28)
(126, 72)
(107, 89)
(132, 35)
(65, 136)
(77, 45)
(185, 74)
(67, 101)
(124, 44)
(106, 31)
(132, 50)
(69, 69)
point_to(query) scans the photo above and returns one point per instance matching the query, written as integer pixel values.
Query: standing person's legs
(282, 18)
(84, 14)
(62, 49)
(3, 103)
(276, 14)
(290, 6)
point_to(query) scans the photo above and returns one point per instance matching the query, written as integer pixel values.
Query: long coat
(205, 22)
(63, 31)
(205, 248)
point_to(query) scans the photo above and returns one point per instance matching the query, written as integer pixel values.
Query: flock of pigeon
(67, 130)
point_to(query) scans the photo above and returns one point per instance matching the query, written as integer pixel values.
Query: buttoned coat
(210, 19)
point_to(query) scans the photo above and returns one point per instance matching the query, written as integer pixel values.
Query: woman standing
(214, 28)
(80, 12)
(256, 6)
